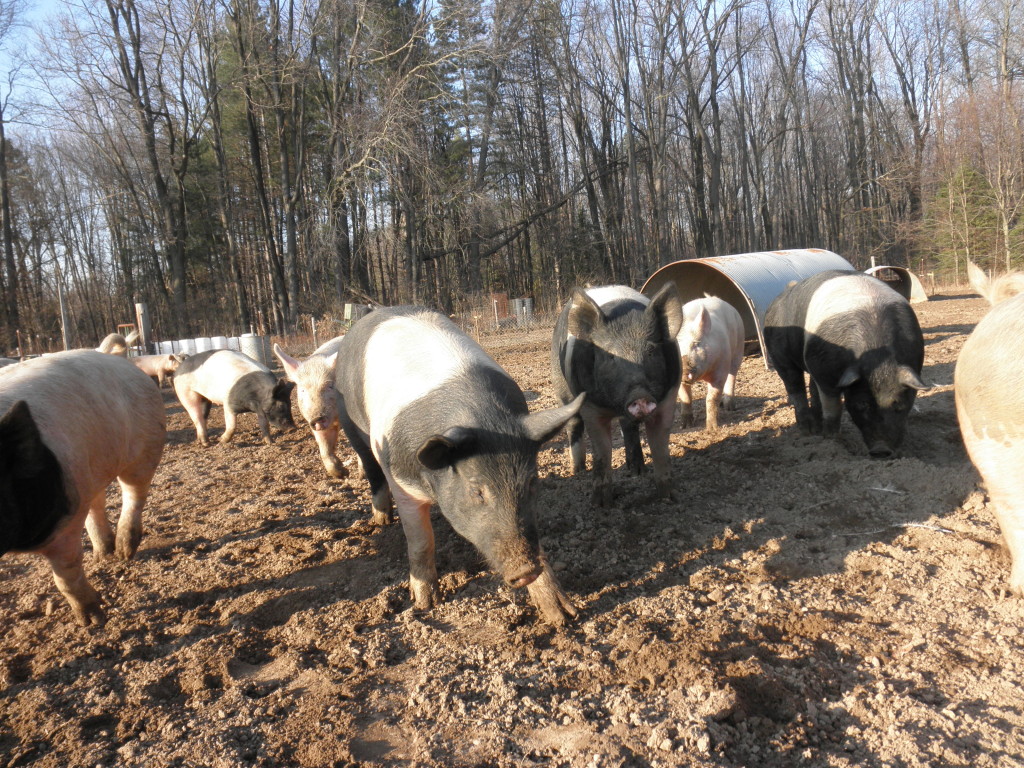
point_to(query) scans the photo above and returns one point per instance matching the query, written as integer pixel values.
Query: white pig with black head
(237, 382)
(435, 420)
(71, 423)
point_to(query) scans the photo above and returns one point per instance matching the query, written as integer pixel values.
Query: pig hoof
(381, 517)
(603, 496)
(337, 471)
(424, 597)
(665, 489)
(89, 614)
(554, 604)
(126, 549)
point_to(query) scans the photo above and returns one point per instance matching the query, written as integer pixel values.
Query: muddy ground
(797, 603)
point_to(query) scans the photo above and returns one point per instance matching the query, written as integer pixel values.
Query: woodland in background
(242, 164)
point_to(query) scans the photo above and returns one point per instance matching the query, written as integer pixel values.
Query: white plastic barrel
(219, 342)
(252, 345)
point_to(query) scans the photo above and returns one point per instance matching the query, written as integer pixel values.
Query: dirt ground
(797, 603)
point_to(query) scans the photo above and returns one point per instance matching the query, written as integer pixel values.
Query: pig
(988, 385)
(73, 422)
(995, 290)
(317, 398)
(240, 384)
(116, 344)
(711, 347)
(158, 367)
(435, 420)
(860, 342)
(619, 347)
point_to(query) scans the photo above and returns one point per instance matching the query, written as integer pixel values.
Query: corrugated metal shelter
(748, 281)
(901, 280)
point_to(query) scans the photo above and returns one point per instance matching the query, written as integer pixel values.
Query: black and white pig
(73, 422)
(435, 420)
(318, 400)
(989, 387)
(860, 342)
(620, 348)
(237, 382)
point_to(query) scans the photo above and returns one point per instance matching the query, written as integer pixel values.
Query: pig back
(396, 356)
(214, 373)
(97, 413)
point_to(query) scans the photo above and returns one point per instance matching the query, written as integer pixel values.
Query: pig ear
(283, 389)
(584, 315)
(909, 378)
(668, 308)
(850, 376)
(440, 451)
(21, 445)
(543, 425)
(703, 320)
(332, 360)
(289, 363)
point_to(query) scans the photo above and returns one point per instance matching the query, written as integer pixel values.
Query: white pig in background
(237, 382)
(989, 388)
(158, 367)
(72, 422)
(116, 344)
(711, 347)
(995, 290)
(318, 400)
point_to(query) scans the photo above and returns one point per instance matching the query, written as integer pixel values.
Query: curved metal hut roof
(748, 281)
(901, 280)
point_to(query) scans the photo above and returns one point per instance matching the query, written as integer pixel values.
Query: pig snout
(880, 450)
(319, 423)
(524, 576)
(641, 408)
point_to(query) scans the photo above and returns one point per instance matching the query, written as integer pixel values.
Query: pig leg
(631, 442)
(730, 384)
(796, 390)
(577, 450)
(659, 428)
(134, 491)
(379, 490)
(686, 398)
(65, 555)
(599, 429)
(1010, 515)
(326, 442)
(711, 402)
(98, 526)
(550, 598)
(230, 423)
(419, 536)
(1004, 480)
(261, 419)
(197, 407)
(831, 406)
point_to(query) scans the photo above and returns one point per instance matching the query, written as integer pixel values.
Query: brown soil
(796, 604)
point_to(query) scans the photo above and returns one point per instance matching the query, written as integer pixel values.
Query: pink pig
(989, 387)
(711, 347)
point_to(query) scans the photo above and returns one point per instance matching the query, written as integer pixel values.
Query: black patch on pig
(192, 362)
(258, 392)
(33, 500)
